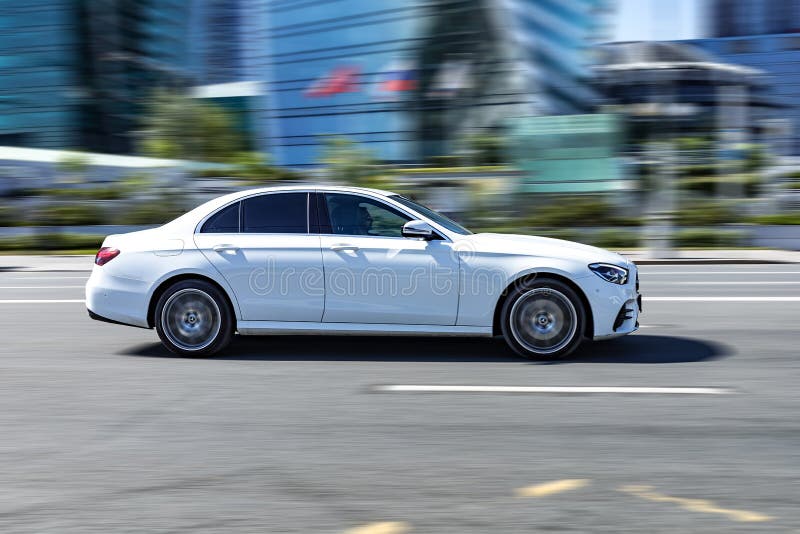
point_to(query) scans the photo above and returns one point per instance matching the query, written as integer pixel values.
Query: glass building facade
(735, 18)
(407, 79)
(764, 34)
(217, 40)
(38, 97)
(461, 64)
(75, 71)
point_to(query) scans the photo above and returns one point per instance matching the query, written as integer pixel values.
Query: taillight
(105, 255)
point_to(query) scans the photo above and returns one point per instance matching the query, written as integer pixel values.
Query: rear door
(261, 245)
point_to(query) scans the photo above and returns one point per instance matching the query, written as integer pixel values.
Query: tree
(252, 165)
(487, 148)
(347, 162)
(176, 126)
(74, 166)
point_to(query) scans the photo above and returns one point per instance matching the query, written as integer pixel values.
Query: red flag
(339, 80)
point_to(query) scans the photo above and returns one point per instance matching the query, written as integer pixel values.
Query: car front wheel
(543, 319)
(193, 319)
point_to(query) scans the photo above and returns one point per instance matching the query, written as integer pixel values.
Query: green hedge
(701, 169)
(794, 184)
(708, 238)
(709, 213)
(157, 212)
(577, 212)
(95, 193)
(50, 242)
(614, 239)
(67, 215)
(708, 185)
(8, 216)
(777, 218)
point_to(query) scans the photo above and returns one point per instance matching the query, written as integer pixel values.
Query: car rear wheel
(193, 318)
(543, 319)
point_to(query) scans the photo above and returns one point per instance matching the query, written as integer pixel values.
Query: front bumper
(615, 308)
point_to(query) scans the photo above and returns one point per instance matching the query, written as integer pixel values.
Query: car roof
(192, 218)
(311, 187)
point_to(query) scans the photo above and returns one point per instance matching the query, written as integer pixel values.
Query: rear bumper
(117, 299)
(97, 317)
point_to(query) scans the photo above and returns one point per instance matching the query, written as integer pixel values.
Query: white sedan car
(346, 260)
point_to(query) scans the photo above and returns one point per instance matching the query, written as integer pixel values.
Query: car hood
(529, 245)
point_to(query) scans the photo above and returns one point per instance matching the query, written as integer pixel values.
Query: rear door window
(276, 213)
(225, 221)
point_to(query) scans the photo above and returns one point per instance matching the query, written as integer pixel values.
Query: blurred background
(666, 129)
(622, 123)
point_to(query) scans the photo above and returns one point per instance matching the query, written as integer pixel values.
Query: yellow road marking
(383, 527)
(551, 488)
(695, 505)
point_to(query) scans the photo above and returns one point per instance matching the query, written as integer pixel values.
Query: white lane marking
(25, 278)
(553, 487)
(415, 388)
(383, 527)
(40, 301)
(41, 287)
(650, 273)
(695, 505)
(729, 283)
(721, 299)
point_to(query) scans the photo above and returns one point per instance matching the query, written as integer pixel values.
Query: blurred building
(75, 71)
(737, 18)
(407, 79)
(668, 88)
(763, 34)
(217, 40)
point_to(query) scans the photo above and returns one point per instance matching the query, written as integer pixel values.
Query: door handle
(344, 246)
(225, 248)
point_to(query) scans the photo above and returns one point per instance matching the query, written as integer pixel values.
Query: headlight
(610, 273)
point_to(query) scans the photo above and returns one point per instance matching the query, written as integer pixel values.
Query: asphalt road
(102, 431)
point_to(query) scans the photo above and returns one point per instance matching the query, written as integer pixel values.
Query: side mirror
(418, 228)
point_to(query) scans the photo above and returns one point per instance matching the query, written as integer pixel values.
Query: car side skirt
(254, 328)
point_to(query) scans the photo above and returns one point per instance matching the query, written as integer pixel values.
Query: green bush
(776, 218)
(95, 193)
(50, 242)
(158, 212)
(702, 169)
(67, 215)
(577, 212)
(8, 216)
(609, 238)
(709, 213)
(708, 238)
(708, 185)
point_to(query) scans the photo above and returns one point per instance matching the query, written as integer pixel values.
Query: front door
(374, 275)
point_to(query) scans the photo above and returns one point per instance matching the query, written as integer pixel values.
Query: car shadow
(642, 349)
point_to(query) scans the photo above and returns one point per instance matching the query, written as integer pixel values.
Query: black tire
(194, 318)
(543, 319)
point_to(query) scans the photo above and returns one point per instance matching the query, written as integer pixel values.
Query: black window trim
(240, 200)
(412, 216)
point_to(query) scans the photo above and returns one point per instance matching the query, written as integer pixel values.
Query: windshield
(432, 215)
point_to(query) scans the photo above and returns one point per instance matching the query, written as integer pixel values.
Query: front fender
(484, 279)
